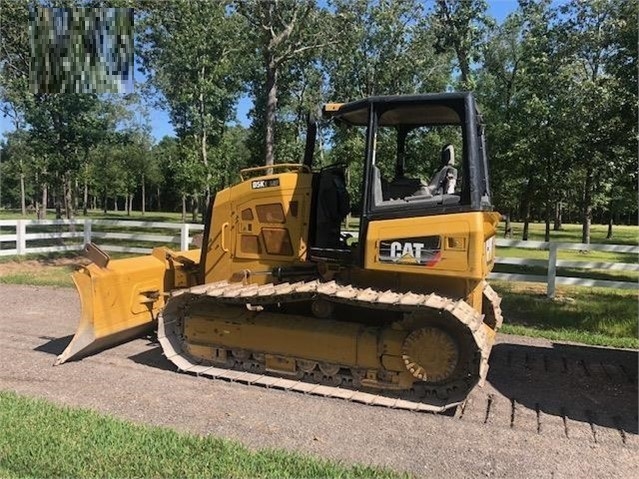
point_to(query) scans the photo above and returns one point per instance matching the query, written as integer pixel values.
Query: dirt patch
(35, 265)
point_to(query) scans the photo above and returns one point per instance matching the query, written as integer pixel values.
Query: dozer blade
(119, 301)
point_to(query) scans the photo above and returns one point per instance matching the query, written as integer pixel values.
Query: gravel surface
(548, 410)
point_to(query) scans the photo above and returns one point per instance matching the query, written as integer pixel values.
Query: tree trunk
(610, 221)
(105, 202)
(68, 199)
(183, 208)
(527, 207)
(143, 196)
(587, 209)
(271, 108)
(43, 210)
(524, 235)
(558, 212)
(203, 141)
(508, 231)
(65, 198)
(464, 68)
(194, 208)
(547, 219)
(85, 198)
(23, 200)
(115, 203)
(73, 186)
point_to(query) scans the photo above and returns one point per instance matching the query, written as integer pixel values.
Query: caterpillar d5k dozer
(398, 315)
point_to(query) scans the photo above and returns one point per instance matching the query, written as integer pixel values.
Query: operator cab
(424, 155)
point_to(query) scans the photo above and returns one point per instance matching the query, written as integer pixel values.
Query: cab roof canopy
(428, 109)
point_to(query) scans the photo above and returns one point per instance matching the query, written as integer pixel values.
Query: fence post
(87, 231)
(184, 237)
(21, 240)
(552, 270)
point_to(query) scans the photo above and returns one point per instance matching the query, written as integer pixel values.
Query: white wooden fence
(552, 279)
(72, 235)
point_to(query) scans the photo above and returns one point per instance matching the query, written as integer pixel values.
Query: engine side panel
(451, 246)
(257, 225)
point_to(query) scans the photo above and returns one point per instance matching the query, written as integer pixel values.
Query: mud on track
(548, 408)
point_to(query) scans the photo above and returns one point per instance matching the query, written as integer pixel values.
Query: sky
(160, 122)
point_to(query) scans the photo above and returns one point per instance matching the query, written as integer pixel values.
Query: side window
(420, 164)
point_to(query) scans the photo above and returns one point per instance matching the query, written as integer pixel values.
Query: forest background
(556, 84)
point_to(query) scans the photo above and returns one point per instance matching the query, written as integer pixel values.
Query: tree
(461, 26)
(14, 58)
(384, 48)
(280, 31)
(498, 84)
(588, 34)
(193, 55)
(67, 126)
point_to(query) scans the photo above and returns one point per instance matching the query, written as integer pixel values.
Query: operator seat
(443, 183)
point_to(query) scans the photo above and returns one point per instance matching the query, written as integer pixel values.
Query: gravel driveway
(548, 410)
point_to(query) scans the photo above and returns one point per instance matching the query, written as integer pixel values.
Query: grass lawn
(52, 269)
(597, 316)
(51, 276)
(571, 233)
(40, 439)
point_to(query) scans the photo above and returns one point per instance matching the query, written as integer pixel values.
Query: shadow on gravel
(586, 384)
(153, 358)
(54, 345)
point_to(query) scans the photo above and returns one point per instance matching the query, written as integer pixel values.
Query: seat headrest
(448, 155)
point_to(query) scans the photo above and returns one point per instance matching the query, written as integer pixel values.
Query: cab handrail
(265, 168)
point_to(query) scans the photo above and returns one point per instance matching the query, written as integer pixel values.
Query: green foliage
(557, 86)
(40, 439)
(286, 38)
(555, 112)
(191, 52)
(460, 27)
(384, 48)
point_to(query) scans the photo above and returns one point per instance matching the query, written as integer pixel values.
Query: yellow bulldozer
(398, 314)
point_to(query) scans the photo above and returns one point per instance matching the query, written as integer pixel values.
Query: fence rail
(66, 233)
(552, 279)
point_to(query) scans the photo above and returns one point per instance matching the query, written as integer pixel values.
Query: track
(170, 330)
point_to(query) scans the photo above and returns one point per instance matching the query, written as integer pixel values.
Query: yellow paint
(225, 255)
(123, 299)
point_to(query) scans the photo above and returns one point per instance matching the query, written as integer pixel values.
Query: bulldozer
(397, 313)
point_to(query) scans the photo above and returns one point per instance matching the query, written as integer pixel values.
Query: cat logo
(407, 251)
(424, 251)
